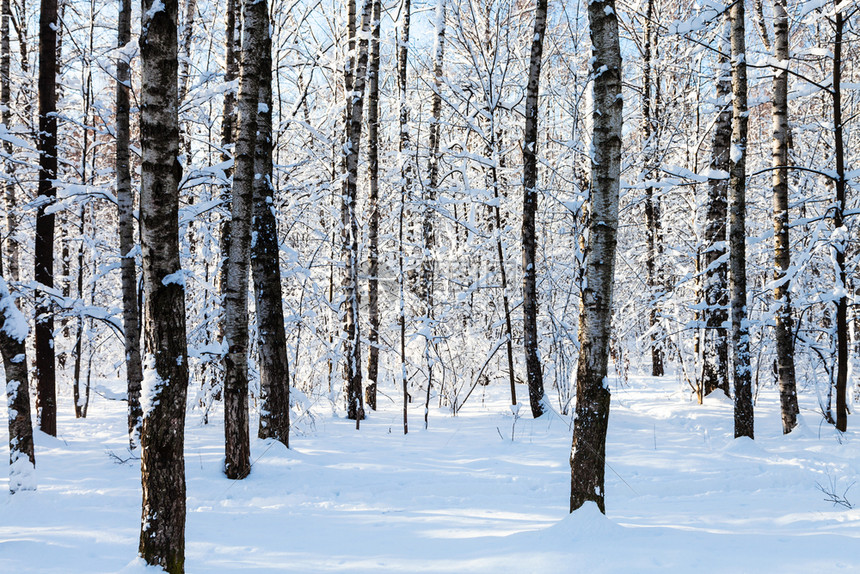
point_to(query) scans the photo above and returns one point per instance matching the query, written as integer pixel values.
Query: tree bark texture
(13, 337)
(840, 230)
(534, 374)
(349, 226)
(46, 398)
(228, 139)
(125, 208)
(431, 192)
(265, 265)
(373, 206)
(715, 350)
(652, 205)
(165, 382)
(236, 431)
(8, 266)
(588, 454)
(744, 424)
(781, 244)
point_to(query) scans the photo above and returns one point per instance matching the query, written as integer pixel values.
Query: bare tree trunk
(79, 330)
(13, 336)
(588, 455)
(781, 244)
(265, 262)
(373, 204)
(125, 208)
(715, 352)
(187, 37)
(86, 83)
(744, 422)
(228, 139)
(839, 228)
(11, 253)
(165, 381)
(404, 156)
(405, 142)
(46, 399)
(237, 437)
(652, 207)
(534, 374)
(349, 223)
(428, 262)
(500, 255)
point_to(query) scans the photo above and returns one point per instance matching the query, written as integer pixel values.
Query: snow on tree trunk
(534, 374)
(11, 253)
(265, 264)
(236, 431)
(349, 310)
(588, 454)
(840, 230)
(233, 22)
(125, 208)
(13, 336)
(165, 365)
(652, 205)
(782, 247)
(45, 372)
(737, 228)
(373, 206)
(715, 350)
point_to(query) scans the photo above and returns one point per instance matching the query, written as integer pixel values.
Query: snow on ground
(682, 494)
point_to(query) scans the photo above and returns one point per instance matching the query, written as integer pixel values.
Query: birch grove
(250, 212)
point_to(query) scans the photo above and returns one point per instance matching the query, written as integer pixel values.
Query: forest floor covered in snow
(682, 495)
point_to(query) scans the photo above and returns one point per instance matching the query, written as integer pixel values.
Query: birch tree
(265, 264)
(715, 351)
(588, 453)
(349, 223)
(782, 246)
(165, 365)
(13, 336)
(534, 373)
(373, 205)
(236, 431)
(652, 204)
(125, 208)
(9, 257)
(742, 370)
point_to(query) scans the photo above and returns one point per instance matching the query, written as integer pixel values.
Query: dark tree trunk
(782, 246)
(373, 205)
(588, 455)
(534, 374)
(13, 336)
(46, 399)
(744, 423)
(265, 263)
(492, 154)
(165, 382)
(840, 229)
(125, 208)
